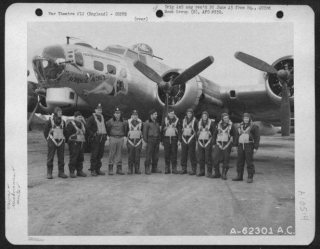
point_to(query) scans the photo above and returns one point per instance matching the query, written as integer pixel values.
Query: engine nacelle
(273, 85)
(183, 96)
(64, 97)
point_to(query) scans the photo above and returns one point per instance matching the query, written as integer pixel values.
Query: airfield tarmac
(162, 204)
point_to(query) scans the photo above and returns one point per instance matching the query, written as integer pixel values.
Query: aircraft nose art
(49, 65)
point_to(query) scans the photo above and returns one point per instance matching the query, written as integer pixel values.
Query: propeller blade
(255, 62)
(32, 114)
(148, 72)
(165, 110)
(285, 111)
(193, 71)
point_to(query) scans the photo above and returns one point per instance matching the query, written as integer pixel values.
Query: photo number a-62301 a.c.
(263, 231)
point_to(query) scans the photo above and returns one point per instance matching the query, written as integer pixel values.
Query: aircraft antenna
(157, 57)
(74, 38)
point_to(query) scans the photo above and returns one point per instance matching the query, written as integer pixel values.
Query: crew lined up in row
(205, 135)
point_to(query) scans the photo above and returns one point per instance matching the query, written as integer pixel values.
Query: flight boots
(119, 170)
(193, 171)
(250, 178)
(155, 169)
(209, 172)
(61, 173)
(80, 173)
(183, 171)
(72, 175)
(110, 172)
(94, 172)
(130, 169)
(201, 172)
(49, 172)
(217, 173)
(224, 173)
(174, 169)
(167, 169)
(239, 177)
(99, 172)
(147, 170)
(137, 170)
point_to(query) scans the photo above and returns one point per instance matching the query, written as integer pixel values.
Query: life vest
(188, 130)
(204, 133)
(100, 124)
(245, 134)
(223, 135)
(56, 132)
(79, 132)
(134, 133)
(170, 129)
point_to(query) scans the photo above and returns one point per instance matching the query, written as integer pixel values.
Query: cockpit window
(115, 50)
(78, 58)
(131, 55)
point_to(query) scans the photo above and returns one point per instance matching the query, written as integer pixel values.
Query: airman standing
(134, 142)
(206, 128)
(97, 137)
(76, 133)
(188, 142)
(171, 132)
(151, 136)
(117, 130)
(248, 144)
(223, 141)
(55, 132)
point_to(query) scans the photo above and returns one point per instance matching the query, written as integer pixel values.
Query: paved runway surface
(162, 204)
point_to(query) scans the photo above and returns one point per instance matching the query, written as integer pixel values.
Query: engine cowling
(273, 85)
(183, 96)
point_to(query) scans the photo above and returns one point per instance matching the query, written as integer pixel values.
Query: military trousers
(97, 150)
(76, 156)
(134, 154)
(52, 148)
(245, 155)
(188, 149)
(219, 154)
(205, 156)
(152, 152)
(170, 150)
(115, 153)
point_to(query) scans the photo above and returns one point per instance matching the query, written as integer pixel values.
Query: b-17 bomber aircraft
(79, 77)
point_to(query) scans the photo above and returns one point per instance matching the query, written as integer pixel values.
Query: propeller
(193, 71)
(33, 90)
(181, 79)
(283, 76)
(32, 114)
(185, 76)
(31, 87)
(165, 109)
(148, 72)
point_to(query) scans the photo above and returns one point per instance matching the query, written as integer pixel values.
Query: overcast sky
(179, 44)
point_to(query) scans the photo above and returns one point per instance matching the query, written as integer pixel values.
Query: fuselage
(107, 77)
(79, 77)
